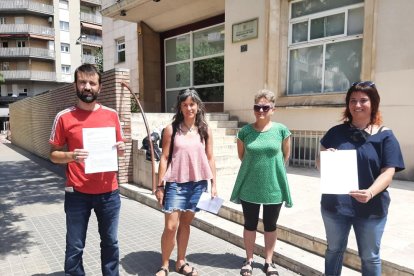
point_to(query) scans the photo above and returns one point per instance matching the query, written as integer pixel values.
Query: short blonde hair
(264, 93)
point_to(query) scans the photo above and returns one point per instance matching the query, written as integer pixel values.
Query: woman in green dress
(263, 148)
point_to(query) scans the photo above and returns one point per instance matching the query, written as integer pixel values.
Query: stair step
(286, 255)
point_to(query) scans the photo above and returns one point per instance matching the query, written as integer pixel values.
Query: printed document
(339, 172)
(209, 204)
(101, 145)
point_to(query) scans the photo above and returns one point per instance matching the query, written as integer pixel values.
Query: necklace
(190, 129)
(365, 129)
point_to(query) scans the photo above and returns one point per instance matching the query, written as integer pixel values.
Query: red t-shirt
(67, 130)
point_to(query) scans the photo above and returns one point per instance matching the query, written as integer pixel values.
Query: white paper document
(339, 172)
(101, 145)
(209, 204)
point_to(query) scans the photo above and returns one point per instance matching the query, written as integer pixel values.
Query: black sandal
(247, 271)
(181, 270)
(163, 269)
(270, 273)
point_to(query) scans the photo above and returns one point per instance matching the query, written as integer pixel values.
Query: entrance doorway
(195, 59)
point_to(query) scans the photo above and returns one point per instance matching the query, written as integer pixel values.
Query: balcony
(92, 40)
(12, 29)
(28, 75)
(32, 52)
(13, 6)
(89, 59)
(91, 18)
(94, 2)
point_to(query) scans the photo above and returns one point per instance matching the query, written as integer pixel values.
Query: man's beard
(86, 97)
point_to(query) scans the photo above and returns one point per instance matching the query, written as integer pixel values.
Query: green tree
(1, 78)
(99, 59)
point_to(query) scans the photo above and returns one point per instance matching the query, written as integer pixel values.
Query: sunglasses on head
(264, 107)
(364, 83)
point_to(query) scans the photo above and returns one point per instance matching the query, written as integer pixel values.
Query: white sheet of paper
(100, 143)
(339, 172)
(209, 204)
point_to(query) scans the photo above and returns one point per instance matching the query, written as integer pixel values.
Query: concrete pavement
(32, 228)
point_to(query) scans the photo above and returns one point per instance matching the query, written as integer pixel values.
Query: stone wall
(31, 119)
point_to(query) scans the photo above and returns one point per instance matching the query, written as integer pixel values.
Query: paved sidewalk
(32, 228)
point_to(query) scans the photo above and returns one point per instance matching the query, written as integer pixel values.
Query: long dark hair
(368, 88)
(200, 121)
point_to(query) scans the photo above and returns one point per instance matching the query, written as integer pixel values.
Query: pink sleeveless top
(189, 160)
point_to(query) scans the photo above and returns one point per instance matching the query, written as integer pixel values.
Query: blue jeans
(78, 208)
(368, 233)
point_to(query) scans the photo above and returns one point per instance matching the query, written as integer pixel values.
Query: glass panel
(328, 26)
(305, 70)
(356, 21)
(211, 94)
(342, 64)
(171, 97)
(307, 7)
(178, 75)
(208, 71)
(177, 48)
(209, 42)
(300, 32)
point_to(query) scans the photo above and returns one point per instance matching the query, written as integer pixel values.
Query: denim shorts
(183, 196)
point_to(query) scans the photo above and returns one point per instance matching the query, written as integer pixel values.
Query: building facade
(43, 41)
(307, 51)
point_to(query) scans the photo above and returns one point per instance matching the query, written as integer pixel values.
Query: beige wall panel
(42, 66)
(34, 20)
(244, 72)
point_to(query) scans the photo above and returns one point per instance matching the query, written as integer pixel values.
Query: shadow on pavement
(226, 260)
(142, 262)
(23, 183)
(58, 273)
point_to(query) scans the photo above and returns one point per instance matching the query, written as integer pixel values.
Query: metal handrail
(26, 28)
(28, 75)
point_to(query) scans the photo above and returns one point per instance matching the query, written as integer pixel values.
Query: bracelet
(370, 193)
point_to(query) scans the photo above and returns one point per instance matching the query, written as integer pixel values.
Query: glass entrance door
(196, 59)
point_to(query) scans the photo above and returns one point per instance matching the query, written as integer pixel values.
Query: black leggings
(251, 215)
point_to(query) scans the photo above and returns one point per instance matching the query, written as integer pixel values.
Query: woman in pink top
(186, 165)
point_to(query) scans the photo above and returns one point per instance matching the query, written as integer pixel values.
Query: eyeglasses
(264, 107)
(364, 83)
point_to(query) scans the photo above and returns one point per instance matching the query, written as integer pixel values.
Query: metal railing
(27, 52)
(91, 18)
(96, 2)
(89, 59)
(28, 75)
(92, 39)
(25, 29)
(27, 5)
(305, 147)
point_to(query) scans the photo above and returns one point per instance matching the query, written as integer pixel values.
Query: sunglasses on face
(364, 83)
(264, 107)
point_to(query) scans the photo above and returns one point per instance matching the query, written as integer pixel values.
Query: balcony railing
(305, 147)
(28, 75)
(96, 2)
(25, 5)
(91, 18)
(26, 29)
(27, 52)
(91, 39)
(10, 99)
(89, 59)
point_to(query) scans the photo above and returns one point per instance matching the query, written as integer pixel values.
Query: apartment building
(42, 42)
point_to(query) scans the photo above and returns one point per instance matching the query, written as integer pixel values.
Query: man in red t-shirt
(87, 191)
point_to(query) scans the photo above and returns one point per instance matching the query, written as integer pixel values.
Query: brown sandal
(181, 270)
(163, 269)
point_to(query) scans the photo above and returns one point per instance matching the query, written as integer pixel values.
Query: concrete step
(286, 255)
(223, 124)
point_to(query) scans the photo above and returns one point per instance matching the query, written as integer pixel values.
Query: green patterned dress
(262, 176)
